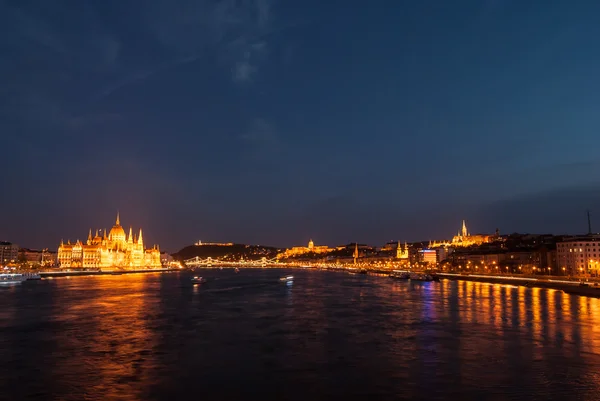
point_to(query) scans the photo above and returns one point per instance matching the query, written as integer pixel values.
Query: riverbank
(567, 286)
(49, 274)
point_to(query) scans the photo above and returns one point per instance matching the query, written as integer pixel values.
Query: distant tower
(89, 240)
(464, 230)
(311, 244)
(399, 251)
(355, 252)
(118, 222)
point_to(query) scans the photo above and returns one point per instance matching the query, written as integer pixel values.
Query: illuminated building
(301, 250)
(579, 255)
(9, 253)
(402, 252)
(428, 256)
(112, 250)
(463, 239)
(200, 243)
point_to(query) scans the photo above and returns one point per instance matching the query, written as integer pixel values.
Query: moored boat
(198, 280)
(11, 278)
(400, 275)
(287, 278)
(422, 277)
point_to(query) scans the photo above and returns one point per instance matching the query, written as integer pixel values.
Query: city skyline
(268, 122)
(458, 236)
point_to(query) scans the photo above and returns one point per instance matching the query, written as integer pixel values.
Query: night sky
(273, 122)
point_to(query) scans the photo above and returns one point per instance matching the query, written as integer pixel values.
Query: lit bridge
(210, 262)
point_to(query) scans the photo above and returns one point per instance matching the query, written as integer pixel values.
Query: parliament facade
(114, 249)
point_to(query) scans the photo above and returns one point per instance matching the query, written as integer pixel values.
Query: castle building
(462, 239)
(113, 250)
(302, 250)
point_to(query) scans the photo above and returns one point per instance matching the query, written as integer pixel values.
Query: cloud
(233, 29)
(261, 134)
(243, 71)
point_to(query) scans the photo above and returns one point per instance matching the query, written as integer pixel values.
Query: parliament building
(114, 249)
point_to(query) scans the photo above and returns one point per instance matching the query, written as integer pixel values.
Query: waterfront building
(9, 253)
(428, 256)
(443, 253)
(579, 255)
(114, 249)
(463, 239)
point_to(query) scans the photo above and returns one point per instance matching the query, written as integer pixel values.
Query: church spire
(130, 238)
(118, 223)
(464, 229)
(140, 240)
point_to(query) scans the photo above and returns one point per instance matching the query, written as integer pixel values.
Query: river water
(327, 336)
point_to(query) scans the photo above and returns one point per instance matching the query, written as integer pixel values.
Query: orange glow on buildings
(112, 250)
(301, 250)
(463, 239)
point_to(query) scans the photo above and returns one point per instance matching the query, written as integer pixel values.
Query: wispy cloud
(84, 56)
(234, 29)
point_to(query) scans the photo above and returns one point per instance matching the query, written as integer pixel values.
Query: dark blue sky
(272, 121)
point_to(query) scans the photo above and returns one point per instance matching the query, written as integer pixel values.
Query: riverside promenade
(64, 273)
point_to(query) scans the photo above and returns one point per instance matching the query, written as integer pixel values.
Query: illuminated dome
(117, 233)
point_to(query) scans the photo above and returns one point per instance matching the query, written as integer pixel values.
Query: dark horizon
(267, 122)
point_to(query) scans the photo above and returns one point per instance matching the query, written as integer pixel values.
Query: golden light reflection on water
(545, 315)
(119, 351)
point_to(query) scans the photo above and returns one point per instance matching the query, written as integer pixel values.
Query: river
(329, 335)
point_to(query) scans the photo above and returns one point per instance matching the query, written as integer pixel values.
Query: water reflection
(89, 329)
(329, 335)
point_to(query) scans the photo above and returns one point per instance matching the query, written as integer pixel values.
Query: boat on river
(400, 275)
(11, 278)
(198, 280)
(287, 278)
(423, 277)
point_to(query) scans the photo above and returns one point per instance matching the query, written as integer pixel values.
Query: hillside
(232, 252)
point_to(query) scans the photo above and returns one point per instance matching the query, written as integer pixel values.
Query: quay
(574, 286)
(102, 272)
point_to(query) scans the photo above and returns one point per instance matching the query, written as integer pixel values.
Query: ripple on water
(329, 336)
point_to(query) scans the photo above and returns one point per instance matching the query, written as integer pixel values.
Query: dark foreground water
(328, 336)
